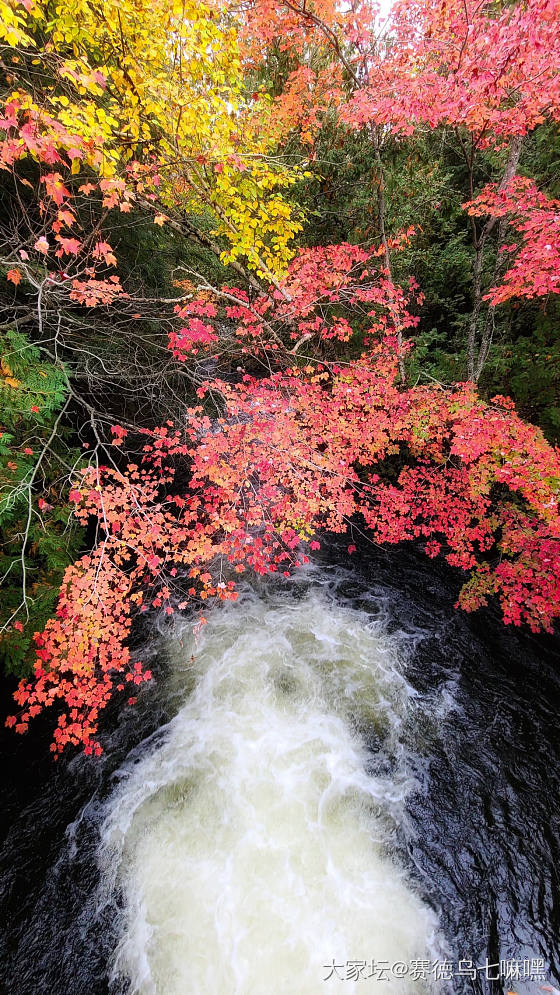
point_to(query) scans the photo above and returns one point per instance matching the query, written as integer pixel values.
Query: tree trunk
(381, 211)
(477, 351)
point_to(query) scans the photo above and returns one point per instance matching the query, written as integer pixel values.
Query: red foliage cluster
(145, 539)
(80, 652)
(187, 339)
(323, 285)
(470, 478)
(31, 132)
(492, 71)
(535, 271)
(299, 452)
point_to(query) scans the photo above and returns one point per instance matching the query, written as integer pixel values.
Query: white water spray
(253, 846)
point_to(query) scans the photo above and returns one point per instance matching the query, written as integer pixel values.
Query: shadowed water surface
(348, 770)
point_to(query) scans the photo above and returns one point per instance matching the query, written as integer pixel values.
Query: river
(340, 784)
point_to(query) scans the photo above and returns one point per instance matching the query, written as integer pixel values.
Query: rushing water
(337, 773)
(252, 844)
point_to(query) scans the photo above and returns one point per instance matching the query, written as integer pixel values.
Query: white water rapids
(254, 843)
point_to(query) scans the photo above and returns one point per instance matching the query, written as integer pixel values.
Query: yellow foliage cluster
(160, 82)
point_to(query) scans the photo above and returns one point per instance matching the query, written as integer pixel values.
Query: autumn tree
(485, 75)
(490, 74)
(110, 116)
(286, 460)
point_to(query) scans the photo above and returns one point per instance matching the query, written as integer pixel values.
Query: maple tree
(486, 73)
(489, 72)
(160, 112)
(287, 459)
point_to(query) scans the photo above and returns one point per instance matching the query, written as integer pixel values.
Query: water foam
(255, 844)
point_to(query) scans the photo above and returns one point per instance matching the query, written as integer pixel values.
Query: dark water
(482, 838)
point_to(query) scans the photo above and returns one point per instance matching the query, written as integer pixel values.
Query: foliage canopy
(213, 411)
